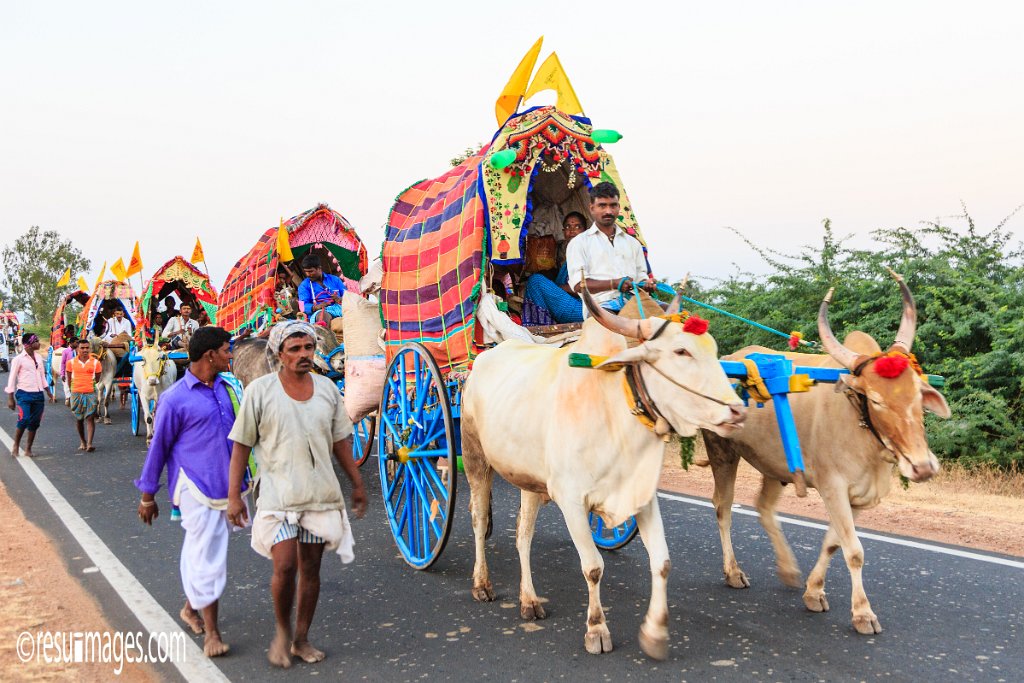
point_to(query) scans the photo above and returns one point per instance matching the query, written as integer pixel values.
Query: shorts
(83, 405)
(333, 309)
(30, 409)
(289, 531)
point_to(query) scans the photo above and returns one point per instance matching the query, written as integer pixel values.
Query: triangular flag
(118, 270)
(103, 271)
(64, 279)
(135, 265)
(82, 284)
(508, 100)
(551, 76)
(197, 253)
(284, 249)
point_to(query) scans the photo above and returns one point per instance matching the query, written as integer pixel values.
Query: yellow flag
(64, 279)
(551, 76)
(82, 284)
(197, 253)
(135, 265)
(103, 271)
(284, 249)
(118, 270)
(508, 100)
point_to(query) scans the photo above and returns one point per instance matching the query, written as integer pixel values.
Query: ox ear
(934, 402)
(637, 354)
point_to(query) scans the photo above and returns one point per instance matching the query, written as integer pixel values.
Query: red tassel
(695, 325)
(794, 342)
(891, 366)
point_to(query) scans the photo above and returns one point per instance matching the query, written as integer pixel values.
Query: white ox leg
(654, 629)
(598, 638)
(841, 534)
(529, 604)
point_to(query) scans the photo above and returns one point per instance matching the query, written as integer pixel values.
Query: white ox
(596, 456)
(852, 436)
(154, 375)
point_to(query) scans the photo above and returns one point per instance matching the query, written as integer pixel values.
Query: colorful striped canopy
(182, 274)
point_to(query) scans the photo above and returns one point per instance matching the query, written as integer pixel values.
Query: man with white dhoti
(190, 439)
(293, 421)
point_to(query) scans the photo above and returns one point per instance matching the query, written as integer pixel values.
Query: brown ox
(851, 437)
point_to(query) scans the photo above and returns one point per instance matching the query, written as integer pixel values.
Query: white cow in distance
(152, 376)
(574, 440)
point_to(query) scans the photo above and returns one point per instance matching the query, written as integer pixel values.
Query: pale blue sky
(161, 121)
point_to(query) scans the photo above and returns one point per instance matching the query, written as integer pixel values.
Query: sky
(160, 122)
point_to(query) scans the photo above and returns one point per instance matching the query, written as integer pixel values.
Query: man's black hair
(206, 339)
(577, 214)
(311, 260)
(604, 190)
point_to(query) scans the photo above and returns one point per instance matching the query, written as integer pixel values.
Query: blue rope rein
(665, 289)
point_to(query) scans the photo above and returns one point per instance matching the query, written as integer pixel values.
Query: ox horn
(615, 323)
(677, 301)
(908, 323)
(843, 355)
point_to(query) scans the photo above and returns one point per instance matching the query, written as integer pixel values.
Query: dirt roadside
(37, 593)
(949, 509)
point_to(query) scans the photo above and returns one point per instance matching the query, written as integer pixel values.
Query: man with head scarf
(293, 421)
(26, 387)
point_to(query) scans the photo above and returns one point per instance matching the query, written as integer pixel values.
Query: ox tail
(490, 521)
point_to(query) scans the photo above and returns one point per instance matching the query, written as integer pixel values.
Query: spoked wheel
(612, 538)
(417, 455)
(136, 410)
(362, 439)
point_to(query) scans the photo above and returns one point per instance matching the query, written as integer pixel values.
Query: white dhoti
(204, 554)
(330, 525)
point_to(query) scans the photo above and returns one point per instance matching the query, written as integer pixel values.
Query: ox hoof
(867, 624)
(107, 421)
(737, 580)
(532, 610)
(791, 577)
(483, 593)
(598, 641)
(816, 602)
(652, 646)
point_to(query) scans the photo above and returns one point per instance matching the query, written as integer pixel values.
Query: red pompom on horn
(695, 325)
(890, 366)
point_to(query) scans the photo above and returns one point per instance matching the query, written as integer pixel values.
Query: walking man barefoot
(293, 421)
(26, 387)
(83, 369)
(190, 439)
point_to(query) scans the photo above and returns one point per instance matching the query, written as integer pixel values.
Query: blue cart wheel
(48, 367)
(136, 410)
(612, 538)
(362, 439)
(417, 454)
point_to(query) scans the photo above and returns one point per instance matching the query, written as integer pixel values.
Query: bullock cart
(261, 288)
(451, 243)
(105, 298)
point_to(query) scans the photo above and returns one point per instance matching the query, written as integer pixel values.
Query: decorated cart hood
(247, 297)
(442, 232)
(57, 338)
(177, 272)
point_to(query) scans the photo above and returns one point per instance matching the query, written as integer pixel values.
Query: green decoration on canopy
(502, 159)
(606, 136)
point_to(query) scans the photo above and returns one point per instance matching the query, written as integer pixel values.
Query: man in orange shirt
(84, 368)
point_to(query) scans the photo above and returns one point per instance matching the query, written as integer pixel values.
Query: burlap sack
(364, 362)
(119, 344)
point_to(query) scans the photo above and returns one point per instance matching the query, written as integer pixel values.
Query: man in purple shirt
(190, 439)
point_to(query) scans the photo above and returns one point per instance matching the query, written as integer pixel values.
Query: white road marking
(862, 534)
(153, 617)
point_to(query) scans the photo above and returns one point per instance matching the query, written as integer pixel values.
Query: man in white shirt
(611, 259)
(179, 326)
(116, 325)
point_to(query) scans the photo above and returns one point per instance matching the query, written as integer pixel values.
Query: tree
(32, 266)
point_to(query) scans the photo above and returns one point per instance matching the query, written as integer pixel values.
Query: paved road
(946, 618)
